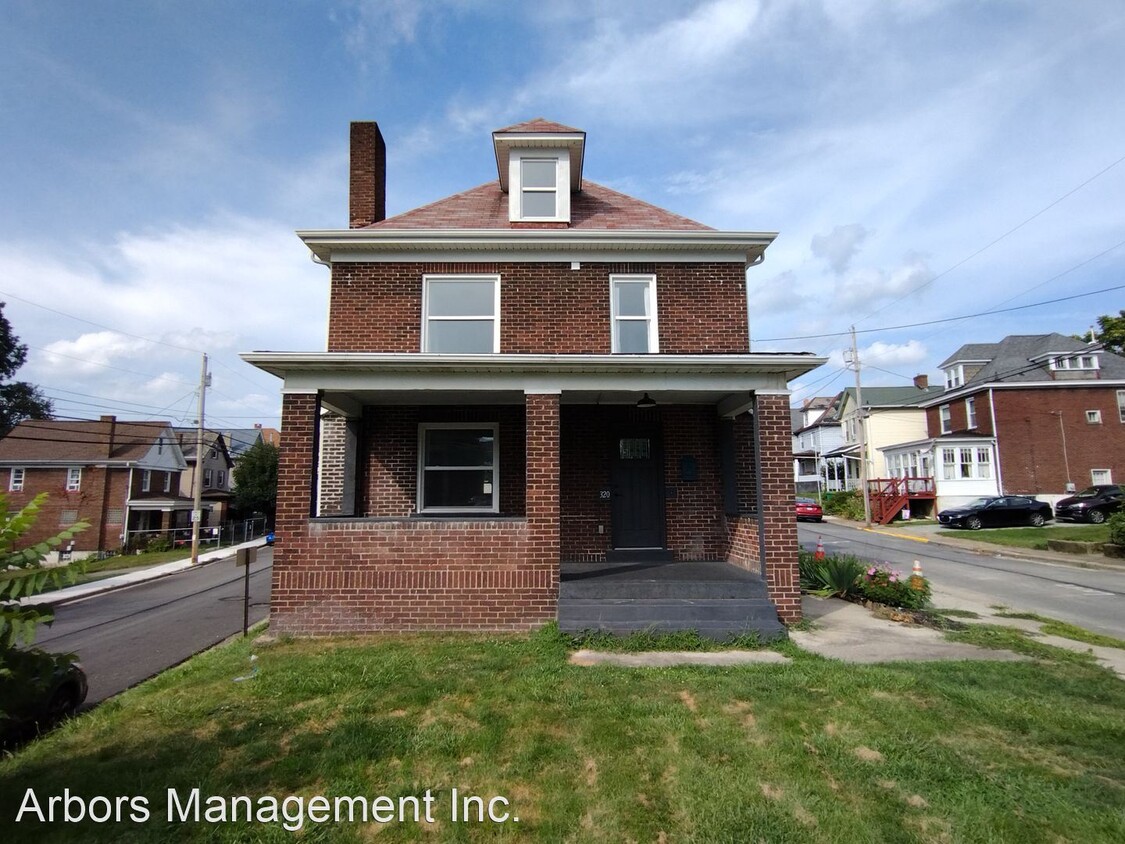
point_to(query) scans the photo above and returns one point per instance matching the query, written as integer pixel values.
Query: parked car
(997, 511)
(38, 688)
(809, 510)
(1094, 504)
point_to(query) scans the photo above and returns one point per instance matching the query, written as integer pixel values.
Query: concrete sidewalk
(132, 578)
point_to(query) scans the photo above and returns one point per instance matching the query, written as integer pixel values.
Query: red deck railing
(889, 495)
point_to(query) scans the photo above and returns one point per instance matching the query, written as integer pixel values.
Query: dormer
(539, 164)
(960, 372)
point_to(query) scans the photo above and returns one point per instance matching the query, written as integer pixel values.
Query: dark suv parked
(1094, 504)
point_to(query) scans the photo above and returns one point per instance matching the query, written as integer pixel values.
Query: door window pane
(639, 448)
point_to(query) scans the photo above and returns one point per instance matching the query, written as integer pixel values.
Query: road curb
(70, 594)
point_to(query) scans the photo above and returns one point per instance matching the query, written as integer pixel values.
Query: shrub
(830, 577)
(1116, 524)
(885, 585)
(848, 504)
(161, 544)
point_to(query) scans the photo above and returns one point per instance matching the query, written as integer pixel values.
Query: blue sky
(921, 160)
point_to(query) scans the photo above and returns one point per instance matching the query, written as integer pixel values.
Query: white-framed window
(984, 462)
(1076, 362)
(539, 186)
(73, 482)
(146, 480)
(220, 478)
(167, 481)
(965, 463)
(970, 413)
(461, 314)
(1094, 417)
(1121, 406)
(160, 445)
(207, 478)
(458, 468)
(15, 481)
(946, 419)
(954, 377)
(633, 314)
(1101, 476)
(948, 464)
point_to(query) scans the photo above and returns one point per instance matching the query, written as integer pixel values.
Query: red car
(809, 510)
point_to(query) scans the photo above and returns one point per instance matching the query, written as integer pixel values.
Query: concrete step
(656, 589)
(716, 618)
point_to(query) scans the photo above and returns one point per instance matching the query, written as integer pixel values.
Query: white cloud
(92, 352)
(838, 247)
(870, 286)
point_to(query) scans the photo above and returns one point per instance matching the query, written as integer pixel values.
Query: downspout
(996, 437)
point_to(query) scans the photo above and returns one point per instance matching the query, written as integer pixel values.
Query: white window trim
(653, 318)
(945, 418)
(13, 484)
(970, 412)
(74, 480)
(954, 377)
(207, 478)
(167, 481)
(1093, 417)
(1074, 362)
(146, 480)
(562, 184)
(1108, 479)
(220, 478)
(423, 427)
(1121, 406)
(427, 279)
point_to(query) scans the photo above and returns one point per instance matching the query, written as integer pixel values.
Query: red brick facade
(545, 308)
(1030, 441)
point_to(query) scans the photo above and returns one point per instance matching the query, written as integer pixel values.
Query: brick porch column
(294, 480)
(542, 492)
(775, 443)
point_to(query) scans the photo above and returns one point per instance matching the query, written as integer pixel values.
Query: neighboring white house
(962, 468)
(818, 433)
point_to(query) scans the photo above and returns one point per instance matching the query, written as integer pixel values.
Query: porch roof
(349, 380)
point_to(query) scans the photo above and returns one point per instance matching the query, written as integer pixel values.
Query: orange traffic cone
(917, 572)
(819, 555)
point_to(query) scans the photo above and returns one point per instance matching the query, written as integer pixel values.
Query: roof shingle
(80, 441)
(539, 124)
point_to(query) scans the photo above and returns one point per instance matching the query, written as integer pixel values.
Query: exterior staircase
(889, 496)
(716, 599)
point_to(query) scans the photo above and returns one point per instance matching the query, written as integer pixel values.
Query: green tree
(18, 399)
(1111, 333)
(255, 480)
(24, 575)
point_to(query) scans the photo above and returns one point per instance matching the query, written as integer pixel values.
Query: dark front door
(638, 506)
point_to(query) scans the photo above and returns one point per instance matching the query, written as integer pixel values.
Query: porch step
(639, 555)
(713, 618)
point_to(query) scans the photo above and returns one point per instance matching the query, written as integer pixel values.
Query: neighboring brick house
(215, 493)
(121, 477)
(536, 371)
(1039, 415)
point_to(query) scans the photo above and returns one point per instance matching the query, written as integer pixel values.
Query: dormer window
(1088, 362)
(954, 377)
(540, 186)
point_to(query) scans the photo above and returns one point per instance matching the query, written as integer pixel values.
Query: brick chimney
(922, 382)
(112, 422)
(367, 197)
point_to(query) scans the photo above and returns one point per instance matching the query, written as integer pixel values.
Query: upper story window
(167, 481)
(73, 480)
(1121, 405)
(946, 418)
(15, 482)
(146, 480)
(954, 377)
(970, 413)
(461, 315)
(220, 478)
(1077, 362)
(207, 478)
(539, 186)
(633, 314)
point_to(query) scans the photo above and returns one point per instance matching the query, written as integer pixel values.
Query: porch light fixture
(646, 401)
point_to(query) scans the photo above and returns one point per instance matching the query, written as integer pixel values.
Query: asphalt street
(1091, 598)
(128, 635)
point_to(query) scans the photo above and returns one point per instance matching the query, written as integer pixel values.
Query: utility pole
(862, 429)
(197, 481)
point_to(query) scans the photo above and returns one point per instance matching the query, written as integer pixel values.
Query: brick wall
(1031, 451)
(416, 574)
(333, 453)
(544, 307)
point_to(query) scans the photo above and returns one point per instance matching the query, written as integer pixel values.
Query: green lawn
(812, 751)
(1031, 537)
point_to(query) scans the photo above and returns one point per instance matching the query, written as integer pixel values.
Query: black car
(1093, 504)
(997, 511)
(38, 688)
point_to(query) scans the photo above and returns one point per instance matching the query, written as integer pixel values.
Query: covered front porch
(456, 502)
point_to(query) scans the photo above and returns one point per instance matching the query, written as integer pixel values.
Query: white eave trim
(1079, 383)
(333, 244)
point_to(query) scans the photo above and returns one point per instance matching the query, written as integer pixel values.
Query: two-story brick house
(122, 477)
(1039, 415)
(536, 371)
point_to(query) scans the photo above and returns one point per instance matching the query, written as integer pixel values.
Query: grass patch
(954, 613)
(811, 751)
(1054, 627)
(1030, 537)
(650, 640)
